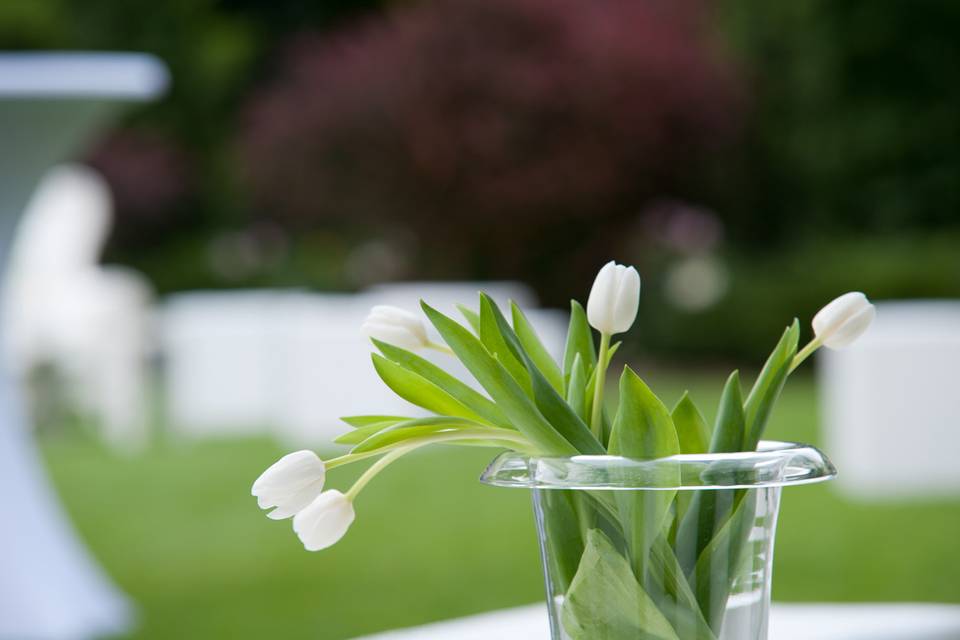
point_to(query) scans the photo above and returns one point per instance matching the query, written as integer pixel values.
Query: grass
(178, 531)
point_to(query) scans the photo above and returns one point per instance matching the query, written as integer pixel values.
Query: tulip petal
(395, 326)
(627, 299)
(614, 298)
(324, 521)
(852, 328)
(290, 484)
(843, 320)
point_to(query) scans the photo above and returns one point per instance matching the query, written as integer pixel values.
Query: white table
(50, 107)
(901, 621)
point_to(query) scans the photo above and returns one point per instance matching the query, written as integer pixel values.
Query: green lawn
(177, 528)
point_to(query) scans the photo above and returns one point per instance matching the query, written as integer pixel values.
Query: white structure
(900, 621)
(294, 362)
(891, 403)
(89, 322)
(50, 106)
(444, 296)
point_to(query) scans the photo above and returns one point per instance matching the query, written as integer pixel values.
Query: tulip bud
(395, 326)
(324, 521)
(290, 484)
(843, 320)
(613, 301)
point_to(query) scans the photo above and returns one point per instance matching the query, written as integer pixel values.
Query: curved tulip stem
(333, 463)
(805, 353)
(596, 415)
(442, 348)
(376, 468)
(505, 437)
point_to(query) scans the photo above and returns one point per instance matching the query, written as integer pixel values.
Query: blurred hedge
(766, 291)
(854, 125)
(844, 176)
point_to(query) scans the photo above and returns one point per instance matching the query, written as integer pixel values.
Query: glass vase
(677, 548)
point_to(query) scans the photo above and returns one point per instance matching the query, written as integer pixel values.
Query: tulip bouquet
(643, 551)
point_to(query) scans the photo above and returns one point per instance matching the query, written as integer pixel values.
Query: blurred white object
(252, 361)
(50, 106)
(696, 283)
(891, 403)
(445, 296)
(294, 362)
(327, 371)
(787, 622)
(89, 322)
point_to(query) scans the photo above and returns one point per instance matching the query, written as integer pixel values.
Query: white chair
(63, 309)
(50, 106)
(891, 403)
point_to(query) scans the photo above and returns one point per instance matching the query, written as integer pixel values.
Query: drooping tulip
(843, 320)
(324, 521)
(396, 326)
(290, 484)
(614, 298)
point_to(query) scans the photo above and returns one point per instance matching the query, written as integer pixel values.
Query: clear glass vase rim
(773, 464)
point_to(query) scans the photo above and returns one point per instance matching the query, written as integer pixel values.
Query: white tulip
(843, 320)
(290, 484)
(613, 301)
(395, 326)
(324, 521)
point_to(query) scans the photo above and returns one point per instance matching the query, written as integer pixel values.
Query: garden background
(753, 159)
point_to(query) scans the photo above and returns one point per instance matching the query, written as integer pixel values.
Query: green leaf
(534, 347)
(360, 434)
(642, 429)
(579, 341)
(692, 430)
(551, 404)
(466, 395)
(415, 428)
(669, 588)
(694, 436)
(707, 510)
(576, 390)
(728, 432)
(493, 339)
(605, 601)
(501, 386)
(768, 385)
(562, 515)
(472, 317)
(720, 561)
(420, 391)
(363, 421)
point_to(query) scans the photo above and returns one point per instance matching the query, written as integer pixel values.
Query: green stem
(402, 448)
(805, 353)
(596, 414)
(348, 458)
(376, 468)
(496, 434)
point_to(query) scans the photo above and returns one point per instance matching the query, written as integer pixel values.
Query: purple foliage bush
(510, 138)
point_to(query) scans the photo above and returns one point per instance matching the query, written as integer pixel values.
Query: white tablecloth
(788, 622)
